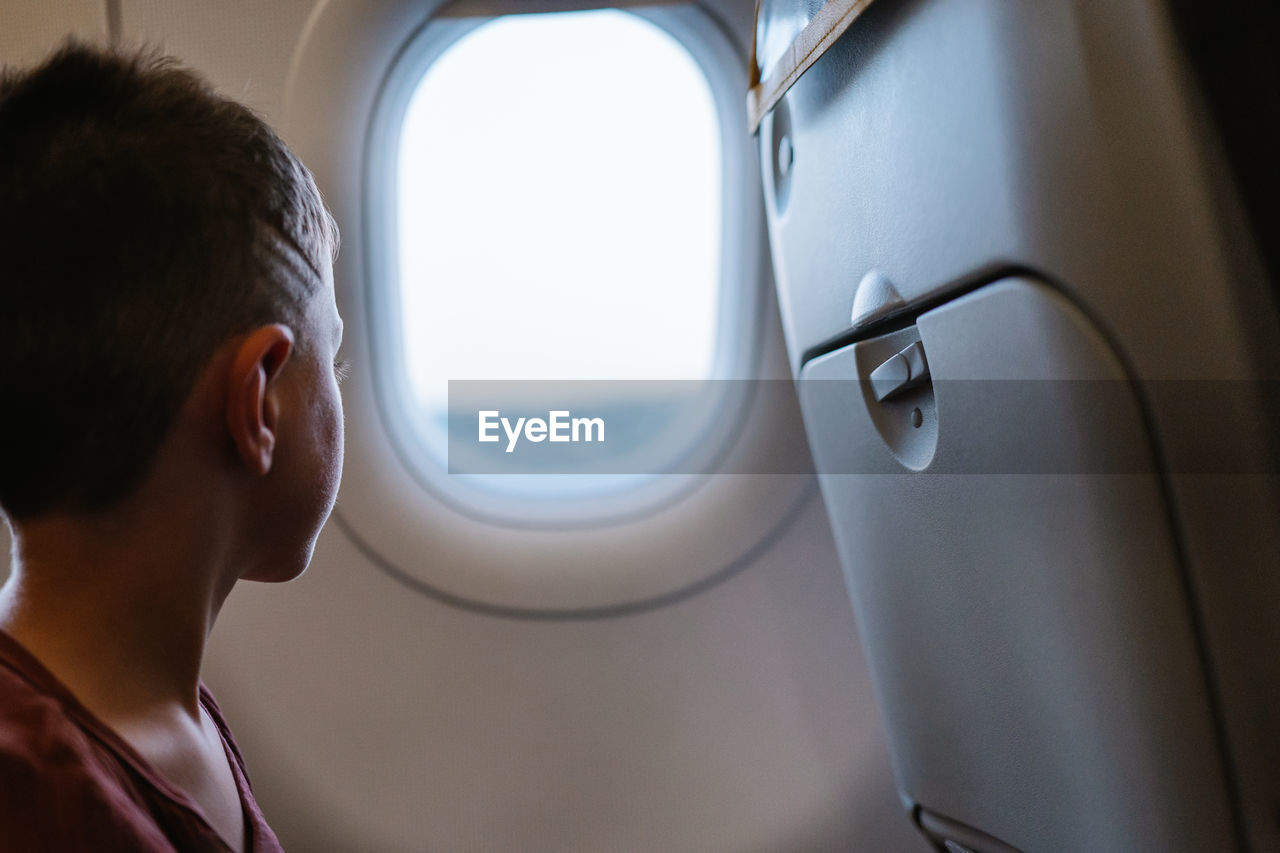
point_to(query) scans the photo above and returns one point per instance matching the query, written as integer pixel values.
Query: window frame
(389, 530)
(740, 291)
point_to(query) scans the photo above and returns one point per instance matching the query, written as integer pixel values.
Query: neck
(118, 611)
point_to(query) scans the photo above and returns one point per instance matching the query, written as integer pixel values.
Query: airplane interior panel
(982, 144)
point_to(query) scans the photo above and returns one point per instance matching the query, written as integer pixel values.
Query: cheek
(327, 444)
(324, 470)
(306, 476)
(333, 442)
(320, 453)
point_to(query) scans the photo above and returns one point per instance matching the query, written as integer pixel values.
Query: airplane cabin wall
(373, 718)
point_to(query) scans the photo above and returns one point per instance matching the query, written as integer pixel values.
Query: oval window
(559, 216)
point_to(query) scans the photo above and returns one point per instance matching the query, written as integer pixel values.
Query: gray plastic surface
(1029, 636)
(941, 141)
(944, 144)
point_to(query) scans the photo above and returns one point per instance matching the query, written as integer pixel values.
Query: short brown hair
(144, 220)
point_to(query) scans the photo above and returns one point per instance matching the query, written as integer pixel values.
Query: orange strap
(818, 35)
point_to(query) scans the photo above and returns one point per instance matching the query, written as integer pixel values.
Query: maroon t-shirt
(68, 782)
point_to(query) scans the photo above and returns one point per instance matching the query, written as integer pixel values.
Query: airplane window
(559, 206)
(558, 216)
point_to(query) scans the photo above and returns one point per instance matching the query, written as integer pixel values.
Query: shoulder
(34, 730)
(264, 839)
(215, 713)
(59, 793)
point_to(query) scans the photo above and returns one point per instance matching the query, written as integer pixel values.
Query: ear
(252, 408)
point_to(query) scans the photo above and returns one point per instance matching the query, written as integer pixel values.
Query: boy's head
(145, 223)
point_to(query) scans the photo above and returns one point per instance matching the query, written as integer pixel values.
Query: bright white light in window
(559, 207)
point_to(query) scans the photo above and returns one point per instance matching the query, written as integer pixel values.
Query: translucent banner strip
(496, 8)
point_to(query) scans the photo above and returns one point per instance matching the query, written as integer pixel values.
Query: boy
(169, 424)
